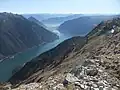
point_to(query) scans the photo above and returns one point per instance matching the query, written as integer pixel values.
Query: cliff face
(18, 33)
(94, 64)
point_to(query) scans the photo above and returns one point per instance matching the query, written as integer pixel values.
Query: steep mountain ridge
(82, 25)
(16, 34)
(59, 20)
(94, 65)
(32, 19)
(105, 28)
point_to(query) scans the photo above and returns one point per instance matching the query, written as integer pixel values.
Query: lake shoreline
(12, 56)
(21, 58)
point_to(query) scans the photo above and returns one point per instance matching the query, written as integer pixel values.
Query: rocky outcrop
(16, 34)
(97, 79)
(59, 20)
(78, 79)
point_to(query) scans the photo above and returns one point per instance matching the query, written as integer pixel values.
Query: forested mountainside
(16, 34)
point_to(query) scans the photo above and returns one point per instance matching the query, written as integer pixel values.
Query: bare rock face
(18, 34)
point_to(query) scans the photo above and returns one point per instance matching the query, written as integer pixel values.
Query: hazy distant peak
(32, 19)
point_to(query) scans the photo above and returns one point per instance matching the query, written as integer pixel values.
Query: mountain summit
(32, 19)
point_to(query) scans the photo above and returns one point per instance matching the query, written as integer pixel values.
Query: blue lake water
(8, 65)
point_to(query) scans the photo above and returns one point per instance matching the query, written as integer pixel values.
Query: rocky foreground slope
(94, 66)
(16, 34)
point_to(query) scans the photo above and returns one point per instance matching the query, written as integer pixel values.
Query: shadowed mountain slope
(16, 34)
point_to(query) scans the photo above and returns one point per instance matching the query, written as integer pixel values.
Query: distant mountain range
(18, 33)
(69, 24)
(41, 17)
(32, 19)
(52, 21)
(82, 25)
(60, 20)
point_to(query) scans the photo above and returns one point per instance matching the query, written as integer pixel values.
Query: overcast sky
(61, 6)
